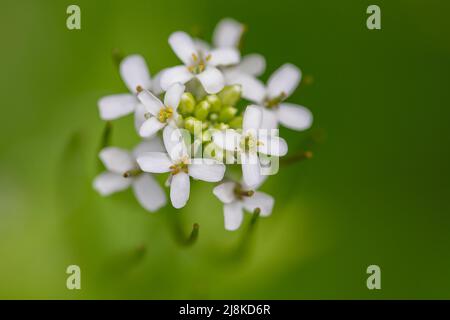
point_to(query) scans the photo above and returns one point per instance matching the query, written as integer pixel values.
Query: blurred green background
(376, 192)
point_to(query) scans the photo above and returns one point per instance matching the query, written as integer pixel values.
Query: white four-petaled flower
(158, 114)
(119, 163)
(134, 73)
(198, 63)
(249, 143)
(181, 166)
(236, 197)
(270, 98)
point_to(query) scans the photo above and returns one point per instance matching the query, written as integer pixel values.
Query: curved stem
(296, 157)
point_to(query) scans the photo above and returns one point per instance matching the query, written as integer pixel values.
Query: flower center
(249, 143)
(165, 114)
(199, 63)
(180, 166)
(274, 102)
(240, 193)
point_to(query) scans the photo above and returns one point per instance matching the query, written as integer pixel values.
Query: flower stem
(296, 157)
(104, 142)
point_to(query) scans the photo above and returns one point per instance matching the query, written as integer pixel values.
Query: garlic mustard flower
(134, 73)
(123, 172)
(159, 114)
(180, 166)
(249, 143)
(198, 63)
(270, 98)
(236, 197)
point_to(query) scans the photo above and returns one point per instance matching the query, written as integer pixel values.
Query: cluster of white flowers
(196, 118)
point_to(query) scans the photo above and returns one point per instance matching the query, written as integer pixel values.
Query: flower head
(236, 197)
(250, 143)
(177, 162)
(122, 172)
(199, 63)
(270, 98)
(159, 114)
(134, 73)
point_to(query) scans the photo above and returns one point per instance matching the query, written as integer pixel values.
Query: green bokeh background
(376, 192)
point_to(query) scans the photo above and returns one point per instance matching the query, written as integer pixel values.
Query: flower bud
(202, 110)
(230, 95)
(236, 122)
(187, 104)
(213, 116)
(227, 113)
(192, 125)
(215, 102)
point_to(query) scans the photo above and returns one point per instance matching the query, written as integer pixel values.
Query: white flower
(227, 34)
(198, 63)
(280, 85)
(249, 143)
(119, 163)
(180, 166)
(237, 197)
(158, 114)
(134, 73)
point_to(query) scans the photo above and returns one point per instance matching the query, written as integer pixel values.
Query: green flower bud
(215, 102)
(202, 110)
(192, 125)
(187, 104)
(230, 95)
(213, 116)
(206, 136)
(221, 126)
(227, 113)
(236, 122)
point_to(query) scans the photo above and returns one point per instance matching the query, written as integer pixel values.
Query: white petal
(148, 192)
(179, 189)
(117, 160)
(272, 145)
(173, 75)
(252, 89)
(116, 106)
(150, 127)
(183, 46)
(108, 183)
(152, 104)
(259, 200)
(257, 186)
(233, 215)
(202, 46)
(228, 139)
(174, 143)
(284, 80)
(294, 117)
(212, 80)
(251, 171)
(225, 192)
(156, 83)
(224, 57)
(252, 118)
(139, 116)
(209, 170)
(134, 72)
(173, 95)
(269, 119)
(154, 144)
(227, 33)
(154, 162)
(253, 64)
